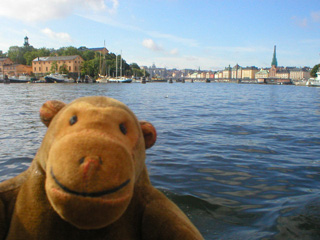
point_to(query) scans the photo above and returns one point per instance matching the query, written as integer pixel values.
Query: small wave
(255, 150)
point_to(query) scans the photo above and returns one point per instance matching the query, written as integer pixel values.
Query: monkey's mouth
(89, 194)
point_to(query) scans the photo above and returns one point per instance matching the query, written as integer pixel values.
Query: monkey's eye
(123, 128)
(73, 120)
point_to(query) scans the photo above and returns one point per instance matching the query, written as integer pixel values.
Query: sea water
(242, 161)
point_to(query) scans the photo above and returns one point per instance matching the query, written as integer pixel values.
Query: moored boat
(120, 80)
(56, 78)
(19, 79)
(314, 82)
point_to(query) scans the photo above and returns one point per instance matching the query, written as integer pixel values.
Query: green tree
(63, 69)
(30, 56)
(15, 54)
(2, 54)
(90, 67)
(314, 70)
(68, 51)
(54, 67)
(136, 71)
(88, 55)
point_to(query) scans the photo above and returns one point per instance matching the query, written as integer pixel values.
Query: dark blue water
(242, 161)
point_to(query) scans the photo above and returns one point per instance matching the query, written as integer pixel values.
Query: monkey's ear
(49, 109)
(149, 133)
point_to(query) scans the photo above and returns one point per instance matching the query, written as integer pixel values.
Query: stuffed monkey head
(92, 155)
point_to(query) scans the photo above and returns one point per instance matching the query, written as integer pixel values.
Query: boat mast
(116, 66)
(120, 64)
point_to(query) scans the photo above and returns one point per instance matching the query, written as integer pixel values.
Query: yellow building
(283, 74)
(236, 72)
(249, 72)
(226, 74)
(43, 65)
(300, 73)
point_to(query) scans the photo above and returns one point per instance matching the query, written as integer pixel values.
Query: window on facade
(75, 68)
(46, 69)
(69, 68)
(39, 69)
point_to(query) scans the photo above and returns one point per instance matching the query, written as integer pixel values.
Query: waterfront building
(4, 62)
(236, 72)
(17, 70)
(194, 75)
(300, 73)
(156, 72)
(263, 73)
(273, 71)
(249, 72)
(43, 65)
(216, 75)
(203, 74)
(209, 74)
(226, 74)
(282, 73)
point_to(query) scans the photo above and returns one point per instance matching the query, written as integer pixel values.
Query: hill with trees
(93, 65)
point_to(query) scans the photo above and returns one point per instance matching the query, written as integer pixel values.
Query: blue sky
(172, 33)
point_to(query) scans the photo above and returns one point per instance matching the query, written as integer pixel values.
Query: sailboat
(120, 79)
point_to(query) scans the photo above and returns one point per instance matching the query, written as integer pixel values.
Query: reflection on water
(241, 160)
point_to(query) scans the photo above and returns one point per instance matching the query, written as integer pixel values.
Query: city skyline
(172, 33)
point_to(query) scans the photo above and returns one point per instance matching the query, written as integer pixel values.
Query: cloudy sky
(210, 34)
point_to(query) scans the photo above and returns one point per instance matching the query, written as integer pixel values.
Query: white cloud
(174, 51)
(150, 44)
(62, 37)
(33, 10)
(184, 41)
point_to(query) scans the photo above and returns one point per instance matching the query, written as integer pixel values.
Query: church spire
(274, 59)
(26, 42)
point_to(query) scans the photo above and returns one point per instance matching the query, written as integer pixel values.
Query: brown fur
(89, 180)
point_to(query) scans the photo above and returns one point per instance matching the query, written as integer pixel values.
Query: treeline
(314, 70)
(93, 65)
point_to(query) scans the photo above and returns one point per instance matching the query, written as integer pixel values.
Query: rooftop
(58, 58)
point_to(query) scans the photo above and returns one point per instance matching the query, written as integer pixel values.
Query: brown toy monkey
(89, 180)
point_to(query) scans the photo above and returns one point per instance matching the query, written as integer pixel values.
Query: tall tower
(274, 59)
(26, 42)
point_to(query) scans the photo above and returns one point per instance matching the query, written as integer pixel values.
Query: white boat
(57, 78)
(102, 79)
(314, 82)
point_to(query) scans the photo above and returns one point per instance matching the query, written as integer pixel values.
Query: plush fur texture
(89, 180)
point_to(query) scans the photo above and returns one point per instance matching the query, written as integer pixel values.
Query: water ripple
(241, 160)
